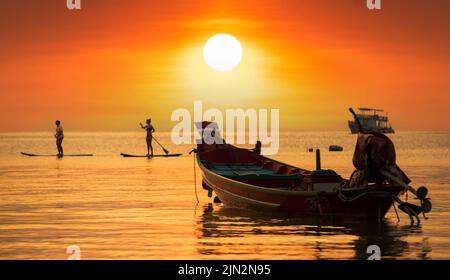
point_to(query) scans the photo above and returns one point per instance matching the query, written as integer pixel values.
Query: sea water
(139, 208)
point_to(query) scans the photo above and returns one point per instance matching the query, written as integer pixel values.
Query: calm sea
(135, 208)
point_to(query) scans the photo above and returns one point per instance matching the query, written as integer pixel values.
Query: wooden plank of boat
(163, 155)
(262, 191)
(69, 155)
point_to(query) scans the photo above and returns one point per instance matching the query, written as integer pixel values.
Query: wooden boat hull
(370, 202)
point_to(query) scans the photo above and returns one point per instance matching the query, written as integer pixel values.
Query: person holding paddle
(59, 135)
(150, 129)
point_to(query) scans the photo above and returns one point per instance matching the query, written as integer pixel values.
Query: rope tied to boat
(319, 203)
(345, 198)
(195, 175)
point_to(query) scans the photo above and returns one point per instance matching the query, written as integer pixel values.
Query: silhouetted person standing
(59, 135)
(150, 129)
(257, 149)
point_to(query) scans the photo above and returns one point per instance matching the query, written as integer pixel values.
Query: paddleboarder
(150, 129)
(59, 135)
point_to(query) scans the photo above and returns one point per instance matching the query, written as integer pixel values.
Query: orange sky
(114, 63)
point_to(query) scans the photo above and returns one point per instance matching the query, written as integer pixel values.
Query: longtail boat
(243, 178)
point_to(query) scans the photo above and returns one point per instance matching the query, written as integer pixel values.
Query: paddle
(164, 149)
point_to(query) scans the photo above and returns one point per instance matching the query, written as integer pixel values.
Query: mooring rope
(346, 199)
(195, 180)
(395, 208)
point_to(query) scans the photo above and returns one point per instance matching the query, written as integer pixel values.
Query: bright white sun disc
(222, 52)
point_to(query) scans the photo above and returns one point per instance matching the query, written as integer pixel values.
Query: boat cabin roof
(370, 109)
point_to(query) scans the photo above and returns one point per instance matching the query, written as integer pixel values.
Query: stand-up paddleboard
(166, 155)
(35, 155)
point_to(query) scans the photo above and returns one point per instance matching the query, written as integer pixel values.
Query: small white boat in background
(371, 120)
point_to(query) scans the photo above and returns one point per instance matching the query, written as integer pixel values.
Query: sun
(222, 52)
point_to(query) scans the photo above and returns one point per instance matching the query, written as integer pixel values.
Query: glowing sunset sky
(112, 64)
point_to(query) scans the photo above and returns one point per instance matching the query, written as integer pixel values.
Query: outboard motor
(375, 162)
(375, 152)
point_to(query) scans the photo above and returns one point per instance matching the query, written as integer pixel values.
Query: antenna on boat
(356, 119)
